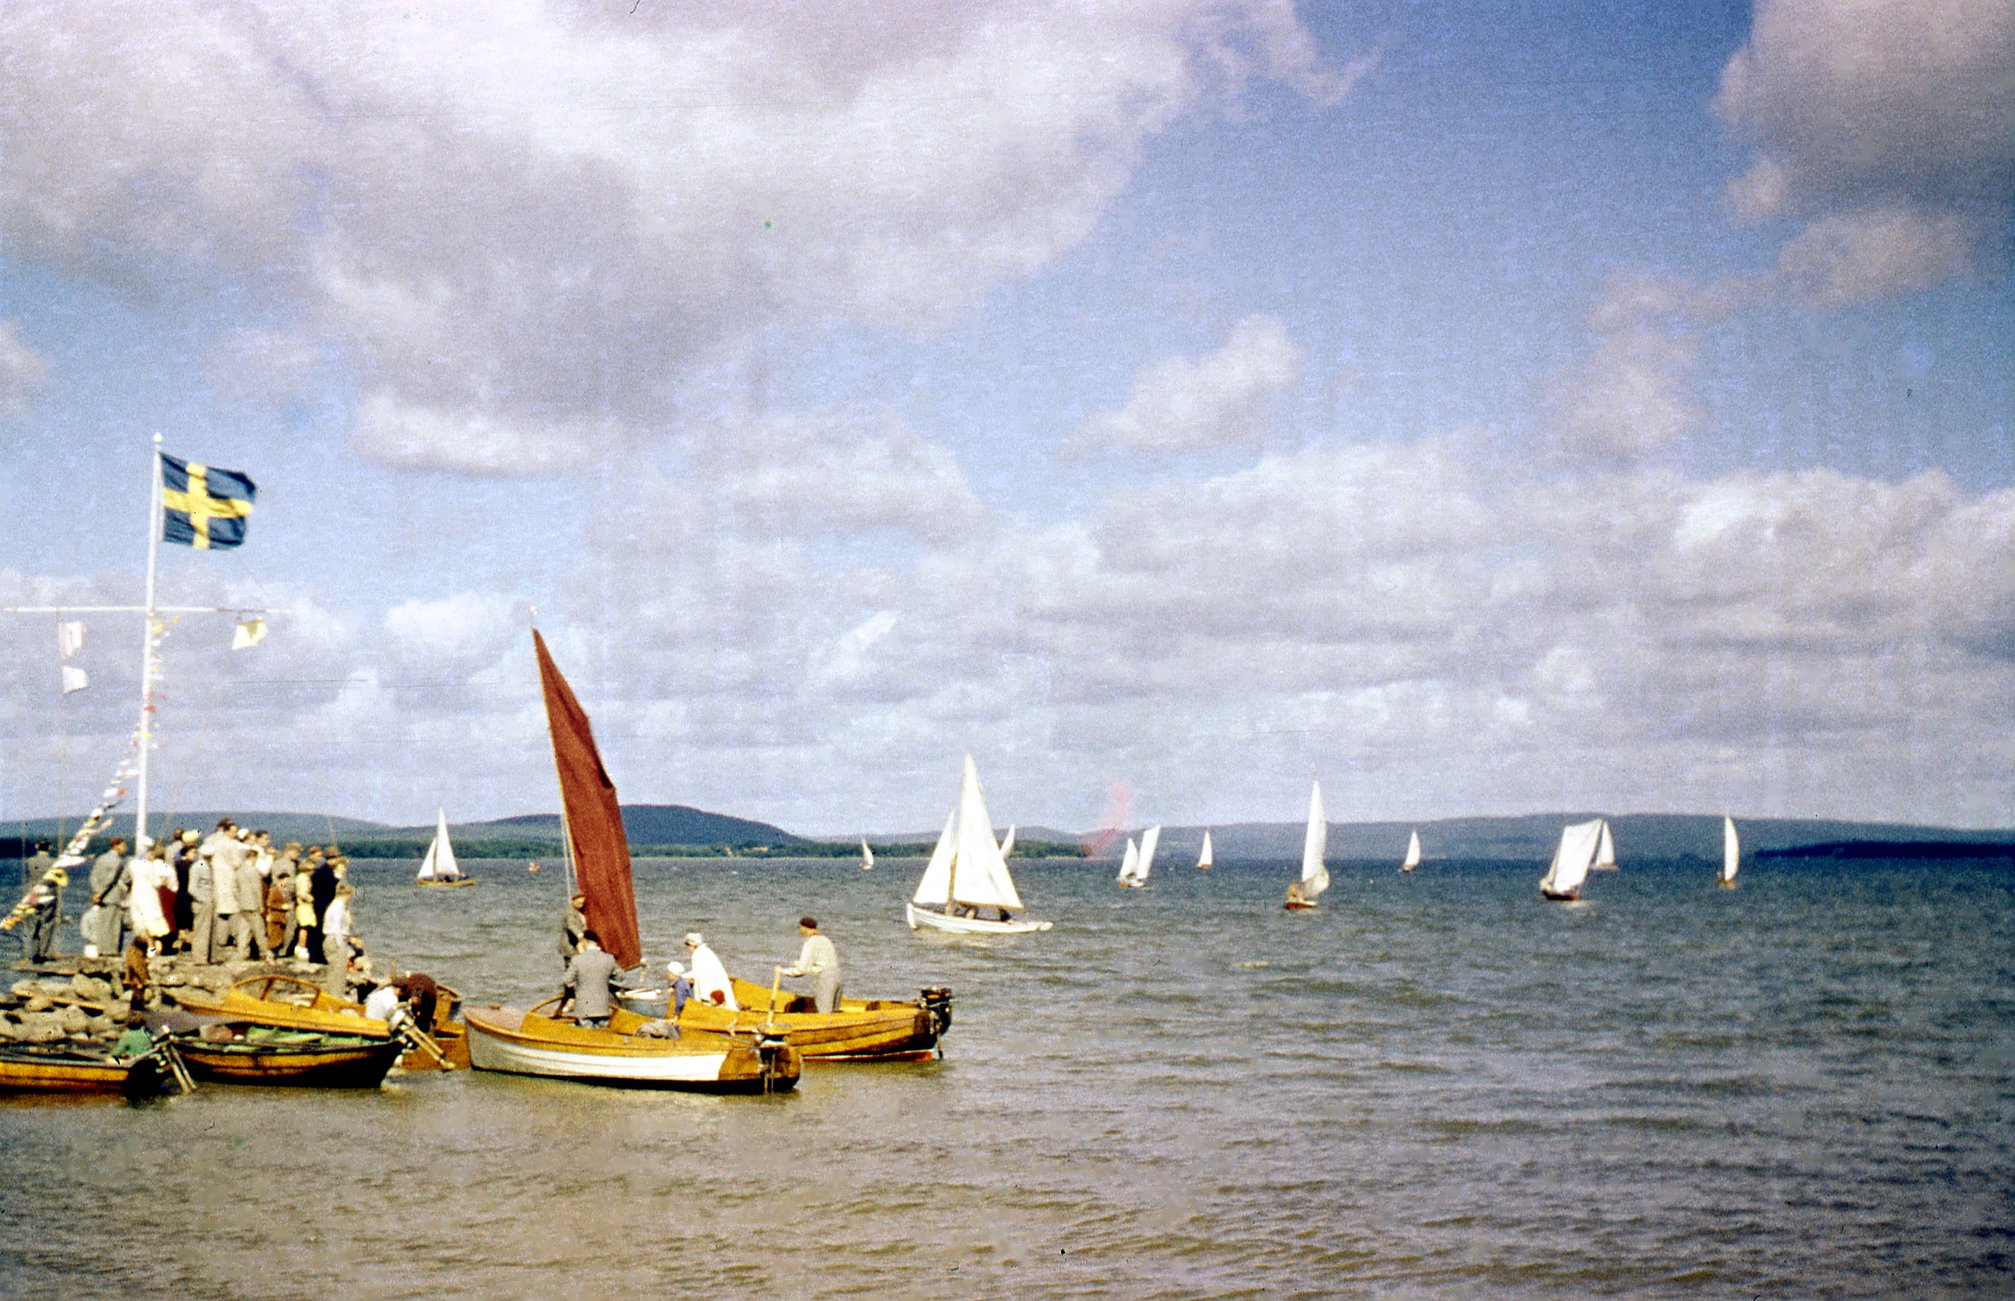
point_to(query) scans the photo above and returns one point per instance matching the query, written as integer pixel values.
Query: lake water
(1437, 1085)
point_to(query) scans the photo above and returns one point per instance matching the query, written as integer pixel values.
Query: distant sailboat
(867, 856)
(1203, 859)
(1007, 842)
(967, 873)
(1572, 860)
(1134, 868)
(1605, 851)
(1314, 880)
(1412, 853)
(1731, 852)
(439, 866)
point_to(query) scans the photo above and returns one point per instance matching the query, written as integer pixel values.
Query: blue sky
(1484, 408)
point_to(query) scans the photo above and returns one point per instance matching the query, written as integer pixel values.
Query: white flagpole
(147, 652)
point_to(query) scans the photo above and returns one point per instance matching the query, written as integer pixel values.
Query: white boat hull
(659, 1065)
(920, 918)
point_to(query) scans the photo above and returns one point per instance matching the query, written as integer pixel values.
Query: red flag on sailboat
(594, 818)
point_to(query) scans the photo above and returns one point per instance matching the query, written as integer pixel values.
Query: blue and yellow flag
(202, 506)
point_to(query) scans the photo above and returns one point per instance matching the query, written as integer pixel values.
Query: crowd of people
(228, 896)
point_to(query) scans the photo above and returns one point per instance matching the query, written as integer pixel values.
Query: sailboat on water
(535, 1043)
(1302, 894)
(1605, 850)
(1203, 859)
(1133, 869)
(867, 856)
(439, 866)
(1007, 842)
(1412, 859)
(1572, 860)
(967, 873)
(1731, 853)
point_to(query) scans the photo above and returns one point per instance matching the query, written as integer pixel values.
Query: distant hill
(1533, 837)
(646, 825)
(659, 827)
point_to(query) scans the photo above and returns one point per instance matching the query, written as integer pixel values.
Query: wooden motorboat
(293, 1003)
(530, 1043)
(258, 1054)
(860, 1029)
(61, 1068)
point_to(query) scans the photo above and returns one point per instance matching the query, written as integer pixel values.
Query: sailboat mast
(147, 651)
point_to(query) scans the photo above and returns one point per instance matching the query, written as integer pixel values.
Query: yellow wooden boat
(293, 1003)
(860, 1029)
(60, 1068)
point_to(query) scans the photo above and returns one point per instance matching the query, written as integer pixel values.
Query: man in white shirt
(819, 960)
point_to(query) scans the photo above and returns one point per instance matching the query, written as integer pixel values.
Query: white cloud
(1854, 99)
(1437, 636)
(1846, 258)
(23, 371)
(527, 224)
(1890, 121)
(1181, 404)
(1628, 396)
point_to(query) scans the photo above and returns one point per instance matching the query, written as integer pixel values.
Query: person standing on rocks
(111, 881)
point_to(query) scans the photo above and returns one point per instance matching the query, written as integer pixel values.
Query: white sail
(979, 873)
(1572, 858)
(1007, 843)
(867, 855)
(936, 887)
(1147, 847)
(1314, 875)
(1203, 860)
(1605, 850)
(1731, 849)
(1412, 853)
(440, 864)
(1129, 864)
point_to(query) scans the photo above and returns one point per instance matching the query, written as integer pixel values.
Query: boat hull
(515, 1042)
(1300, 906)
(317, 1062)
(447, 885)
(1559, 896)
(859, 1030)
(921, 918)
(31, 1070)
(291, 1003)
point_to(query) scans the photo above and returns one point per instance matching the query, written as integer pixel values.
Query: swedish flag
(202, 506)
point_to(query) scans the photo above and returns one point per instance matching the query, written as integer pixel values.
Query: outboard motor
(771, 1044)
(937, 1001)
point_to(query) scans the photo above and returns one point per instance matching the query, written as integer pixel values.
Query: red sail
(594, 819)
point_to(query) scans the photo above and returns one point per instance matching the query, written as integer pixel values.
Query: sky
(1482, 408)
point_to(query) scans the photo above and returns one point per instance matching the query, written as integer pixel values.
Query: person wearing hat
(819, 960)
(572, 928)
(679, 987)
(710, 977)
